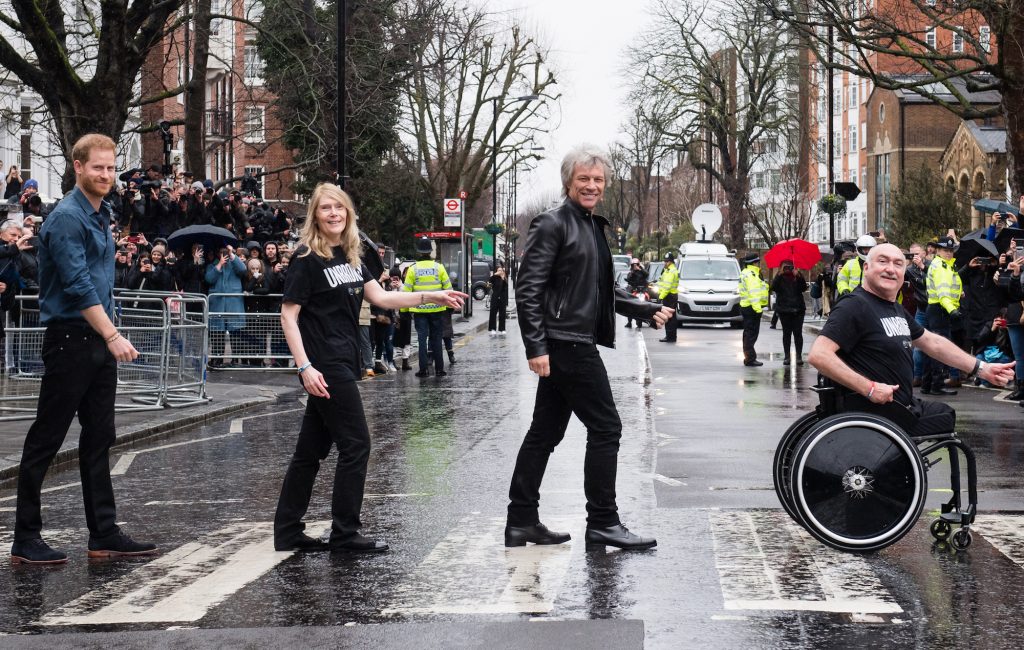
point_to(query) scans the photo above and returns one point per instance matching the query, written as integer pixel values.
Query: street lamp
(340, 65)
(494, 153)
(514, 208)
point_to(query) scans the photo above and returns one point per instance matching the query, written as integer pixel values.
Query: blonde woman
(326, 284)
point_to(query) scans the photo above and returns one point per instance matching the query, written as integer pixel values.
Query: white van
(709, 277)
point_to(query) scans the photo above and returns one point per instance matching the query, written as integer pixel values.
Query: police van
(709, 275)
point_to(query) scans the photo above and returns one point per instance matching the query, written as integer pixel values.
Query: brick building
(241, 132)
(907, 130)
(974, 165)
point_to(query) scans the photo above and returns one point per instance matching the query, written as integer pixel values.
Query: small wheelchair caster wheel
(941, 529)
(962, 539)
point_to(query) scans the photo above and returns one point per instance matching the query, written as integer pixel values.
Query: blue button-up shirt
(76, 260)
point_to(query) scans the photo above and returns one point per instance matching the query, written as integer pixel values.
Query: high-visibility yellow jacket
(944, 284)
(753, 290)
(668, 282)
(426, 275)
(849, 277)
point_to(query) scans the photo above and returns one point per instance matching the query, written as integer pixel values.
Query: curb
(64, 457)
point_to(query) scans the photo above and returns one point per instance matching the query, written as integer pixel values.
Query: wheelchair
(856, 481)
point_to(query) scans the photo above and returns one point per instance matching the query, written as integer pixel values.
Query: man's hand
(997, 374)
(662, 316)
(882, 393)
(540, 365)
(122, 349)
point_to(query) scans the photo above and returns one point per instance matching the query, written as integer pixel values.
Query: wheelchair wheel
(858, 482)
(784, 457)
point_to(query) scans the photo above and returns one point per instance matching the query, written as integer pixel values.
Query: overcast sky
(588, 40)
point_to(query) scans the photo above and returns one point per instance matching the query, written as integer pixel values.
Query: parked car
(481, 274)
(709, 278)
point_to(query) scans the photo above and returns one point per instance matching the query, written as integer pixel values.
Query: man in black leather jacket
(566, 301)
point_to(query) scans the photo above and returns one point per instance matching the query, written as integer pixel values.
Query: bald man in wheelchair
(867, 346)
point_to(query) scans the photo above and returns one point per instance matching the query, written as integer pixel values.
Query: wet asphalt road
(730, 569)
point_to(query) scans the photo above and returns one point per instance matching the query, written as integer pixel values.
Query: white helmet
(864, 244)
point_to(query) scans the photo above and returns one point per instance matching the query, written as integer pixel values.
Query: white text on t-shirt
(896, 326)
(342, 274)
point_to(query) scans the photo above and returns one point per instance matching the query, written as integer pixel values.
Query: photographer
(1008, 278)
(162, 278)
(123, 266)
(1001, 221)
(225, 277)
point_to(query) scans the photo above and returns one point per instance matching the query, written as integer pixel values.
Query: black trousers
(671, 300)
(80, 377)
(578, 384)
(751, 328)
(335, 421)
(792, 330)
(429, 330)
(933, 371)
(496, 319)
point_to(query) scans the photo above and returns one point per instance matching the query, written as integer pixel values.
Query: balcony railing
(218, 123)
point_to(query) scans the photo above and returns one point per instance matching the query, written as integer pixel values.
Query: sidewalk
(230, 392)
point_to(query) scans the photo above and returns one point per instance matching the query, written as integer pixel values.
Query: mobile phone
(1018, 252)
(980, 260)
(134, 239)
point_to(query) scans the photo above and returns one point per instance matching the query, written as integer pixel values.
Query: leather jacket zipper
(561, 297)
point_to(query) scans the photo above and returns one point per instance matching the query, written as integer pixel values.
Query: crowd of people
(968, 295)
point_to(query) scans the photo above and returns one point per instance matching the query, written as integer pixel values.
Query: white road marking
(397, 495)
(471, 572)
(184, 584)
(238, 424)
(190, 503)
(55, 488)
(56, 537)
(123, 463)
(668, 481)
(767, 562)
(1005, 532)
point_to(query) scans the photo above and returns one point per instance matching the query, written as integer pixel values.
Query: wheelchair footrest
(951, 514)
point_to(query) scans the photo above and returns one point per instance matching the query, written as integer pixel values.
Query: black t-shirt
(874, 338)
(330, 293)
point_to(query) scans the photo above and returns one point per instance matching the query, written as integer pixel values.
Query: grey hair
(584, 155)
(7, 225)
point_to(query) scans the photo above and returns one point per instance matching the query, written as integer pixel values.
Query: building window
(958, 39)
(929, 37)
(216, 7)
(776, 181)
(853, 139)
(253, 66)
(863, 135)
(257, 173)
(985, 38)
(853, 94)
(881, 113)
(254, 128)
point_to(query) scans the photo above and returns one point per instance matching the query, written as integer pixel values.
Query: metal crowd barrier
(169, 330)
(253, 337)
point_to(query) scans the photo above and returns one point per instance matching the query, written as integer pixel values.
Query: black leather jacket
(565, 287)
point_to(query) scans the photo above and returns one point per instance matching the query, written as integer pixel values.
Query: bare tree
(942, 49)
(85, 64)
(469, 68)
(728, 73)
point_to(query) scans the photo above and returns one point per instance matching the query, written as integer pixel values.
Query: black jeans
(578, 384)
(80, 377)
(428, 328)
(496, 319)
(338, 420)
(751, 328)
(933, 371)
(671, 300)
(792, 330)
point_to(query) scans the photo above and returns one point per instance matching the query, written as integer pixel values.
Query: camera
(147, 186)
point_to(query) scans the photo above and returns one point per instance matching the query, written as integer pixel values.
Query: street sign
(463, 194)
(452, 213)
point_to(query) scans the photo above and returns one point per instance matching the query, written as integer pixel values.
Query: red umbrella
(803, 254)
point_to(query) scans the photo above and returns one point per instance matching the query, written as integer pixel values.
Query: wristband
(978, 366)
(871, 390)
(113, 338)
(303, 367)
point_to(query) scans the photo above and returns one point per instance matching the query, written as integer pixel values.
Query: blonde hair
(314, 240)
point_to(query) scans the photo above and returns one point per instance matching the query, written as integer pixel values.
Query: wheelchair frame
(856, 481)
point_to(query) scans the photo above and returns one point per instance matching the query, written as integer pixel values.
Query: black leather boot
(1018, 394)
(536, 534)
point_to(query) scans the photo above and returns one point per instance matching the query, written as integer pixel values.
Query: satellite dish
(707, 219)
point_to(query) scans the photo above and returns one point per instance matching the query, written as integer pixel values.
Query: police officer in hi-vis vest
(753, 292)
(428, 275)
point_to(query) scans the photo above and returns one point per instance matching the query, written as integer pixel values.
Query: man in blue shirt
(81, 348)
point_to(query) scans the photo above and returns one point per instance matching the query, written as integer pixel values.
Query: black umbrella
(1004, 237)
(211, 237)
(371, 256)
(974, 247)
(991, 205)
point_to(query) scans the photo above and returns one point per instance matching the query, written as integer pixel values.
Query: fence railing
(170, 332)
(247, 328)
